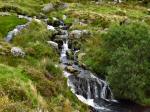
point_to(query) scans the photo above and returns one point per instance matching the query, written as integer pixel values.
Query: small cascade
(14, 32)
(86, 86)
(89, 90)
(18, 28)
(65, 48)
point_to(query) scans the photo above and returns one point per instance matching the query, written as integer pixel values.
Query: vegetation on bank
(122, 56)
(34, 82)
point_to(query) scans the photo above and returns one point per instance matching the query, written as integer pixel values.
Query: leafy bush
(127, 48)
(123, 54)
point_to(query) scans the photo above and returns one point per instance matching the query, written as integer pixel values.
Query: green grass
(8, 23)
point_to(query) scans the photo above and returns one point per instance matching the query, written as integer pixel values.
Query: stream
(88, 88)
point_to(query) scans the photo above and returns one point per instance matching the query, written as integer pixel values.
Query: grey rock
(71, 69)
(17, 52)
(78, 33)
(5, 14)
(48, 7)
(53, 44)
(51, 28)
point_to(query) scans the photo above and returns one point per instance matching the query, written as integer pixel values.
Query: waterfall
(86, 86)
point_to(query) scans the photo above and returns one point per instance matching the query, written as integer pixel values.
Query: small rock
(1, 46)
(82, 24)
(64, 17)
(37, 20)
(16, 51)
(5, 14)
(148, 10)
(54, 44)
(48, 7)
(71, 69)
(54, 19)
(51, 28)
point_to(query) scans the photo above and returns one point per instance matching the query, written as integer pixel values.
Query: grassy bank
(34, 82)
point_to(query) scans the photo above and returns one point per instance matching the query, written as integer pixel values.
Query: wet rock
(60, 43)
(58, 23)
(17, 52)
(62, 34)
(48, 7)
(71, 69)
(51, 28)
(53, 44)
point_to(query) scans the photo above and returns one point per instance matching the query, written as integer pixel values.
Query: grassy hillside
(35, 82)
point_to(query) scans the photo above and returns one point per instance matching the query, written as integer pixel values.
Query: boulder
(17, 52)
(53, 44)
(79, 33)
(48, 7)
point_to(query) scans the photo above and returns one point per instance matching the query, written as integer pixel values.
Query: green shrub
(123, 55)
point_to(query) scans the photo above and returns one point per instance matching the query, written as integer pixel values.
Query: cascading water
(87, 87)
(17, 29)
